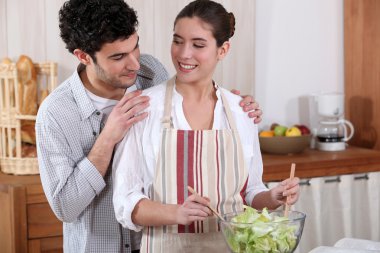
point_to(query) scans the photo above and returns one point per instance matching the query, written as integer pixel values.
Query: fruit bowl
(264, 233)
(283, 145)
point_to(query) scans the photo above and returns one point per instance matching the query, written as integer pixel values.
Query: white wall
(31, 27)
(299, 51)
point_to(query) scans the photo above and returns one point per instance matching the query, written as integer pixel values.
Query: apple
(280, 130)
(273, 126)
(304, 129)
(293, 131)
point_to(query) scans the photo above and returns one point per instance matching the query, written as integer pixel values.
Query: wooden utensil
(287, 206)
(212, 209)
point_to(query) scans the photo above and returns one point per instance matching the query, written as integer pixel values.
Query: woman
(195, 137)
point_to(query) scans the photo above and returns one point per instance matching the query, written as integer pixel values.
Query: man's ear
(83, 57)
(223, 50)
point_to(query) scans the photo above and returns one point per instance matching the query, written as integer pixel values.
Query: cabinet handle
(305, 182)
(363, 177)
(333, 180)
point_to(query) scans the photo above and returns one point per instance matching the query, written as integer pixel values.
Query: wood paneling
(362, 70)
(3, 29)
(26, 33)
(42, 221)
(31, 27)
(27, 224)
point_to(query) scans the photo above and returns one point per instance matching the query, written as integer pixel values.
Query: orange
(266, 133)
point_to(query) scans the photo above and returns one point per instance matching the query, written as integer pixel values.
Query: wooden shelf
(314, 163)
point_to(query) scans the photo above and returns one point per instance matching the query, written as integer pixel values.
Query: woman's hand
(193, 209)
(284, 189)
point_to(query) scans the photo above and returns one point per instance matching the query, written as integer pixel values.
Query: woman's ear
(223, 50)
(83, 57)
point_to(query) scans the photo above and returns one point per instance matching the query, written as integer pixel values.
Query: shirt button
(97, 113)
(127, 245)
(94, 133)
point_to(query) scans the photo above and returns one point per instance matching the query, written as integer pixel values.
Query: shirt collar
(85, 104)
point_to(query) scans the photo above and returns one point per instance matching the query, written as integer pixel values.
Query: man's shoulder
(60, 101)
(152, 72)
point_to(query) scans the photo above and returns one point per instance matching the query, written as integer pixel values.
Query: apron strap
(227, 109)
(167, 119)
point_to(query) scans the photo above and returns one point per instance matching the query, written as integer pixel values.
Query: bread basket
(16, 123)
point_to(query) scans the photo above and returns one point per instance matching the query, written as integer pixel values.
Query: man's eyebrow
(197, 39)
(119, 54)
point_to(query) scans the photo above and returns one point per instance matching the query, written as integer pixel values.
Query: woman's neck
(199, 91)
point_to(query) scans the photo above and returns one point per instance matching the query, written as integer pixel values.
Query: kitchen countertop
(310, 163)
(314, 163)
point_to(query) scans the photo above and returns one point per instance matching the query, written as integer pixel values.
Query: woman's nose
(185, 52)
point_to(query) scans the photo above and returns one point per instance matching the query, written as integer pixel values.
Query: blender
(333, 131)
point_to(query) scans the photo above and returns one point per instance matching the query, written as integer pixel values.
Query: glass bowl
(265, 236)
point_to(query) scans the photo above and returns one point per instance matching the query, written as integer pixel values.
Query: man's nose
(133, 62)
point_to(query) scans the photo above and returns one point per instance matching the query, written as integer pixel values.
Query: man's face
(118, 62)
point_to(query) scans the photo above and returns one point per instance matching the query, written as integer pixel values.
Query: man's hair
(88, 24)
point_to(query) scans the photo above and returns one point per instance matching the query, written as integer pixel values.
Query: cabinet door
(46, 245)
(362, 75)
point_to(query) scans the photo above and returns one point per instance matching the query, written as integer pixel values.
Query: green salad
(264, 233)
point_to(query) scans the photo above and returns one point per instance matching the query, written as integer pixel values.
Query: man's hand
(249, 105)
(125, 113)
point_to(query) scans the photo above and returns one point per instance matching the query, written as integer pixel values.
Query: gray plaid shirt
(67, 126)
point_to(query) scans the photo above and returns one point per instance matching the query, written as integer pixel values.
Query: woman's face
(194, 51)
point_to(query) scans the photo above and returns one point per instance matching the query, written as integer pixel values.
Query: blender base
(331, 146)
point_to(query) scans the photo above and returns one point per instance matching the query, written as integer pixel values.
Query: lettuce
(260, 232)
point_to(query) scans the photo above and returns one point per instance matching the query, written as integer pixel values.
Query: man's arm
(122, 117)
(69, 185)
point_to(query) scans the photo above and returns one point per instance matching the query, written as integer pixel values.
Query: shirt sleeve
(69, 185)
(255, 167)
(128, 177)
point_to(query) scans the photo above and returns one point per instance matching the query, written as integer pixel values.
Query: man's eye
(176, 42)
(199, 46)
(117, 58)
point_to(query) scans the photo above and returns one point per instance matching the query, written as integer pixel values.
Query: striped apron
(210, 161)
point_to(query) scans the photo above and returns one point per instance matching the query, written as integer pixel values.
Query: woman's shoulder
(233, 101)
(156, 94)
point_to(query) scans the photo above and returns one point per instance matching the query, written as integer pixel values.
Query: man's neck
(98, 87)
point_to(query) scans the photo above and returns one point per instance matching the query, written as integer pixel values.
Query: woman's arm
(153, 213)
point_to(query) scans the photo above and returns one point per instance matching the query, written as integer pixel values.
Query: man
(81, 121)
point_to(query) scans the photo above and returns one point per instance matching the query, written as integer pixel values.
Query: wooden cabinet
(362, 70)
(27, 224)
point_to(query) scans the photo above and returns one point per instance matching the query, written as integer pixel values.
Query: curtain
(338, 207)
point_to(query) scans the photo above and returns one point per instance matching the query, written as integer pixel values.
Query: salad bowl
(263, 231)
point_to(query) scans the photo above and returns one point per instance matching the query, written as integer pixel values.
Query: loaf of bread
(27, 85)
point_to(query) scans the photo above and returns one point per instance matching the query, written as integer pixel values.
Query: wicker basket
(11, 159)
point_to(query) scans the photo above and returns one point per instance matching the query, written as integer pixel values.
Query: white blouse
(136, 155)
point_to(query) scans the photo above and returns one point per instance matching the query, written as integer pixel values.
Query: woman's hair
(214, 14)
(88, 24)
